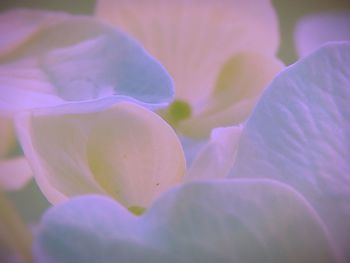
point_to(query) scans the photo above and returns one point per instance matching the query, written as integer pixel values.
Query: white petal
(124, 151)
(299, 134)
(193, 39)
(223, 221)
(313, 31)
(216, 158)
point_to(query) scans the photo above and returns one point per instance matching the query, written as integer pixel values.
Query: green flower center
(179, 110)
(137, 210)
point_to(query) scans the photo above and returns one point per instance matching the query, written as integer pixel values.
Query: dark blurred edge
(71, 6)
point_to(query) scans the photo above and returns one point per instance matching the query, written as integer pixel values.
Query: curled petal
(58, 54)
(222, 221)
(217, 156)
(95, 147)
(299, 134)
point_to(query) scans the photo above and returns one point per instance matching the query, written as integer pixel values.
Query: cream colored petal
(193, 39)
(15, 239)
(217, 157)
(14, 173)
(238, 87)
(124, 151)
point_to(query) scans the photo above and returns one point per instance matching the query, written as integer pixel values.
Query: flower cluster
(169, 131)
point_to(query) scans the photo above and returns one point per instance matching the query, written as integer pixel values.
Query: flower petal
(299, 134)
(70, 52)
(232, 221)
(95, 147)
(238, 87)
(313, 31)
(216, 158)
(193, 39)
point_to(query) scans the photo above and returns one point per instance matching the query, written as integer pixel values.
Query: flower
(220, 53)
(286, 198)
(50, 58)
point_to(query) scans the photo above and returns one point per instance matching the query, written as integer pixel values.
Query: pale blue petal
(62, 57)
(299, 134)
(222, 221)
(107, 63)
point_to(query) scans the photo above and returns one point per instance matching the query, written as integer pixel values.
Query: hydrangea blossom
(220, 53)
(285, 194)
(286, 198)
(51, 58)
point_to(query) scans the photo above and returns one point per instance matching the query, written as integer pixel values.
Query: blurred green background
(30, 201)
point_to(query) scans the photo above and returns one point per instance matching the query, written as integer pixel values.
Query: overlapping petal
(238, 88)
(233, 221)
(122, 150)
(217, 156)
(200, 41)
(299, 134)
(56, 56)
(51, 58)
